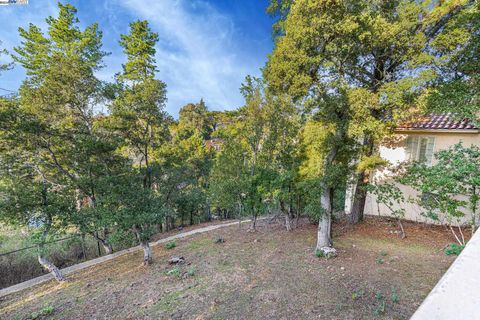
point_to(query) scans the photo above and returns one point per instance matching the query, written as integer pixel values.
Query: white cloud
(197, 52)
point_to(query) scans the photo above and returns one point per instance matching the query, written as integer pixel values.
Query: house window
(420, 149)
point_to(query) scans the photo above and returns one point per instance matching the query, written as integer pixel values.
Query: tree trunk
(107, 247)
(254, 222)
(147, 253)
(324, 238)
(50, 267)
(288, 222)
(360, 194)
(359, 199)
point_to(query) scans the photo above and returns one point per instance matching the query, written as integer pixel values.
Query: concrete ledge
(80, 266)
(457, 294)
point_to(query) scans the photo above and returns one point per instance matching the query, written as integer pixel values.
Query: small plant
(383, 253)
(380, 261)
(380, 309)
(45, 311)
(173, 272)
(394, 296)
(330, 253)
(191, 272)
(357, 294)
(170, 245)
(453, 248)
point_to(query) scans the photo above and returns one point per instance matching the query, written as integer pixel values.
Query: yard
(268, 274)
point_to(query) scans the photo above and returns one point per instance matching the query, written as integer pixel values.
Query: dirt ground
(268, 274)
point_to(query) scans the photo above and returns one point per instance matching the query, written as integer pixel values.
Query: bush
(173, 272)
(453, 248)
(170, 245)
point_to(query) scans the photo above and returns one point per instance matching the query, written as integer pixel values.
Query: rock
(342, 268)
(328, 252)
(176, 260)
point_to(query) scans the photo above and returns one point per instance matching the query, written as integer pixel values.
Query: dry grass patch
(268, 274)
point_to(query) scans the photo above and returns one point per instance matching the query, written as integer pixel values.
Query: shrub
(453, 248)
(394, 296)
(170, 245)
(44, 312)
(191, 272)
(173, 272)
(357, 294)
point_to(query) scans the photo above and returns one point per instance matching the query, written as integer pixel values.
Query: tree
(299, 67)
(137, 116)
(456, 89)
(28, 196)
(381, 53)
(449, 186)
(59, 97)
(4, 66)
(195, 118)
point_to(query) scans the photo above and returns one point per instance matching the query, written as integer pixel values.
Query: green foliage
(380, 308)
(456, 88)
(170, 245)
(390, 195)
(453, 248)
(43, 313)
(175, 271)
(362, 67)
(453, 183)
(358, 294)
(256, 170)
(319, 254)
(4, 66)
(191, 272)
(394, 296)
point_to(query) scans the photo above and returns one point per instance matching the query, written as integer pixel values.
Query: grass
(269, 274)
(170, 245)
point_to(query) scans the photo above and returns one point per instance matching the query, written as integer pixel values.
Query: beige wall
(394, 151)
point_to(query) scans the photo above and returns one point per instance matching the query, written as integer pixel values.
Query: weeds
(357, 294)
(394, 296)
(453, 248)
(173, 272)
(380, 259)
(170, 245)
(380, 309)
(44, 312)
(319, 253)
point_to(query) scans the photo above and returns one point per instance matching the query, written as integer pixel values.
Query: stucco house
(419, 141)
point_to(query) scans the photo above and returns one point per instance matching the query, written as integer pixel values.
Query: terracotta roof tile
(443, 121)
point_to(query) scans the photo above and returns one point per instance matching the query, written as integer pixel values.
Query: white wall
(394, 152)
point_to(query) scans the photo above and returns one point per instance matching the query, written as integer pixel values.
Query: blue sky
(206, 47)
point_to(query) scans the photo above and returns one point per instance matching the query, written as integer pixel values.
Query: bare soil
(268, 274)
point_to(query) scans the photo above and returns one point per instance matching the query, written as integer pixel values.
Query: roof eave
(420, 130)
